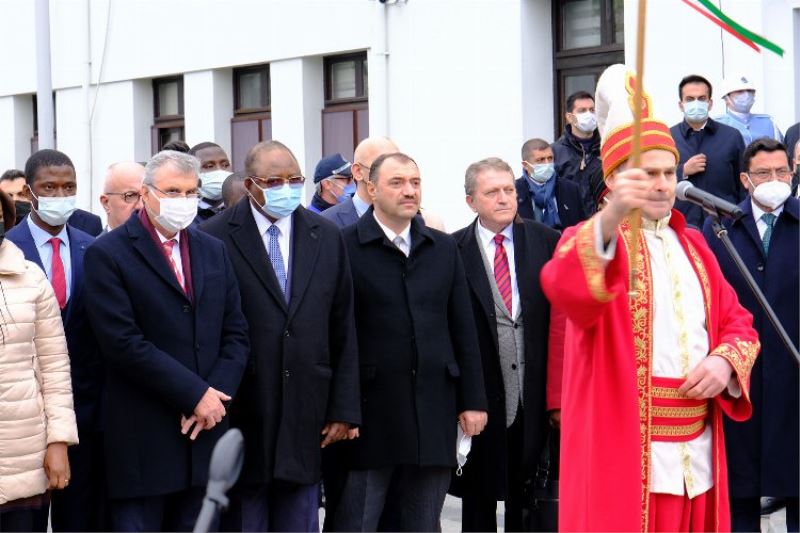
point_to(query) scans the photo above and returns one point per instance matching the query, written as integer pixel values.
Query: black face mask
(22, 208)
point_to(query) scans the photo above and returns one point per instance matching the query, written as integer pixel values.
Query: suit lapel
(246, 239)
(305, 249)
(527, 263)
(153, 257)
(749, 223)
(77, 247)
(198, 271)
(476, 271)
(28, 245)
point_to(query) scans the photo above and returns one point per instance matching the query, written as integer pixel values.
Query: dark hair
(233, 188)
(177, 146)
(375, 169)
(533, 144)
(764, 144)
(202, 146)
(9, 213)
(693, 78)
(580, 95)
(12, 174)
(45, 158)
(265, 146)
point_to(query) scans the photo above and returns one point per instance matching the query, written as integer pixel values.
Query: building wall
(452, 81)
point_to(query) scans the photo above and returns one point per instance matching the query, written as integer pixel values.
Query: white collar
(41, 237)
(758, 212)
(487, 236)
(284, 224)
(391, 235)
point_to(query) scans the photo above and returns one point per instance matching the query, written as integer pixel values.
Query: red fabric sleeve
(555, 358)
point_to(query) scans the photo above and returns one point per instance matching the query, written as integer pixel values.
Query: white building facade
(451, 81)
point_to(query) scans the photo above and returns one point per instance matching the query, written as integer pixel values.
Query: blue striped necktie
(276, 257)
(769, 220)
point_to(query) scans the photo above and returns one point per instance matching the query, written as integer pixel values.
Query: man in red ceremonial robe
(649, 370)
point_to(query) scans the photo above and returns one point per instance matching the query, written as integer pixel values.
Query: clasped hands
(709, 378)
(208, 413)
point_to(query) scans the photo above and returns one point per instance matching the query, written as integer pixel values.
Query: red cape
(605, 439)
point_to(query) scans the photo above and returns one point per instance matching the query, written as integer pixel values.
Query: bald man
(121, 192)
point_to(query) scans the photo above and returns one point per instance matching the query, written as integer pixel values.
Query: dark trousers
(335, 459)
(170, 512)
(746, 514)
(479, 512)
(27, 520)
(398, 498)
(82, 505)
(274, 507)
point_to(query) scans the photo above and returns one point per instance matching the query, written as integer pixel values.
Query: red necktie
(168, 246)
(501, 273)
(57, 277)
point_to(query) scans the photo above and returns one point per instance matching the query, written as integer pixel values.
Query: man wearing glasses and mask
(121, 192)
(301, 391)
(164, 303)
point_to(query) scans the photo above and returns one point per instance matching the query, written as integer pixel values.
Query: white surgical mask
(176, 213)
(772, 193)
(543, 172)
(586, 121)
(211, 188)
(695, 111)
(55, 211)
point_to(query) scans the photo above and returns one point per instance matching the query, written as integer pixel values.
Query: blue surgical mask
(695, 111)
(211, 184)
(55, 210)
(743, 102)
(543, 172)
(348, 191)
(280, 202)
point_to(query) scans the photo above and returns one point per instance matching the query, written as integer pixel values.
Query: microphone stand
(214, 502)
(722, 234)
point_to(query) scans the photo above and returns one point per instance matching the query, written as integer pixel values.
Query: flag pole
(636, 148)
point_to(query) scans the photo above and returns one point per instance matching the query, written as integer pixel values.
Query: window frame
(158, 118)
(238, 111)
(362, 93)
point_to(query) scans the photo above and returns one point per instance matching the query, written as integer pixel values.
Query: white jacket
(35, 387)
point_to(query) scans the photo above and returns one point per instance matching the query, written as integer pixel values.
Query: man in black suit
(215, 167)
(542, 194)
(86, 222)
(420, 365)
(301, 392)
(48, 239)
(502, 256)
(165, 307)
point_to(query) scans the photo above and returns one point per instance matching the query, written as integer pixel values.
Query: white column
(72, 139)
(298, 93)
(208, 107)
(16, 130)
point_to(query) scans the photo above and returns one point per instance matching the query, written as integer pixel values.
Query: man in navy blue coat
(51, 186)
(763, 451)
(165, 306)
(543, 194)
(710, 151)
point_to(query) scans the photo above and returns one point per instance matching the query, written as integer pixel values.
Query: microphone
(226, 465)
(713, 205)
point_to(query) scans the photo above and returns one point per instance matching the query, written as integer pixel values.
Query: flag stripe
(741, 29)
(722, 25)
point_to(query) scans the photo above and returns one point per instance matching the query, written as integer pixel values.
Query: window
(345, 119)
(251, 122)
(589, 36)
(168, 124)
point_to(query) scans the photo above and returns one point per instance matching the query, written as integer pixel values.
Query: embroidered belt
(674, 417)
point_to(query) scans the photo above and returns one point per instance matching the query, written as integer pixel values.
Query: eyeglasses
(765, 173)
(129, 197)
(273, 182)
(191, 194)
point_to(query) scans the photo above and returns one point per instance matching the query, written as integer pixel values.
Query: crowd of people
(374, 362)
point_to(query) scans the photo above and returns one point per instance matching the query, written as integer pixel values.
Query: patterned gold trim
(565, 248)
(641, 311)
(594, 269)
(668, 393)
(741, 357)
(680, 412)
(677, 431)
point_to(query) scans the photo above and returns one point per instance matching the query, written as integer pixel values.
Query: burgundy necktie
(501, 273)
(57, 277)
(168, 246)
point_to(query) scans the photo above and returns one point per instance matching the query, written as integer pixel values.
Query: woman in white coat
(37, 420)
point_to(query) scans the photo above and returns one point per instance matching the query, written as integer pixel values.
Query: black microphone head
(682, 188)
(227, 458)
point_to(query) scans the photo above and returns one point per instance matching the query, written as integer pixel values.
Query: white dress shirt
(41, 238)
(760, 224)
(284, 226)
(176, 251)
(489, 248)
(402, 240)
(680, 343)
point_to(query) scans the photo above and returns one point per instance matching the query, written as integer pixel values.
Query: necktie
(168, 247)
(769, 219)
(502, 275)
(57, 277)
(276, 257)
(400, 243)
